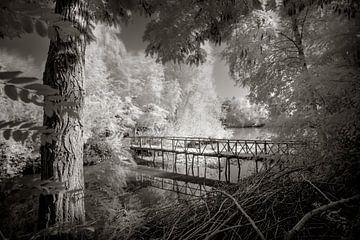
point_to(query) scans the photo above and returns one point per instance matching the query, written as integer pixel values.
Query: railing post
(255, 148)
(199, 145)
(265, 147)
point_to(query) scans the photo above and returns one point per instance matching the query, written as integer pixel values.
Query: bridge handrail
(218, 139)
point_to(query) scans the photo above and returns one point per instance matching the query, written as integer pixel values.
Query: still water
(252, 133)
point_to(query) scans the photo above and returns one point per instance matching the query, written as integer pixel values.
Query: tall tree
(62, 159)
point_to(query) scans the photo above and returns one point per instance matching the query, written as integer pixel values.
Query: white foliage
(105, 109)
(199, 112)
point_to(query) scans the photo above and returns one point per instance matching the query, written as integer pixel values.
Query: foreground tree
(62, 159)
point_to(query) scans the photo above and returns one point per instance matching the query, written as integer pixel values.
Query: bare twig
(261, 235)
(2, 236)
(317, 189)
(290, 39)
(292, 233)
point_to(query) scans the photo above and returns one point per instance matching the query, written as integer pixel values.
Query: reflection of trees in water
(252, 133)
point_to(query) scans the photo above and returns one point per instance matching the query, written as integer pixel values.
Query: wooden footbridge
(203, 159)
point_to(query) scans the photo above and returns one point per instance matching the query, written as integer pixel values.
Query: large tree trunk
(62, 158)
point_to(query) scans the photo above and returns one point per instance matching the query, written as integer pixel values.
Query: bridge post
(256, 145)
(228, 159)
(186, 164)
(154, 156)
(192, 165)
(219, 168)
(175, 159)
(256, 165)
(162, 160)
(205, 167)
(265, 147)
(226, 169)
(239, 169)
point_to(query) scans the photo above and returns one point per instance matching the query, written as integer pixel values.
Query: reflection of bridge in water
(187, 188)
(209, 160)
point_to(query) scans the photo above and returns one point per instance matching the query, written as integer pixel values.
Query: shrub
(96, 150)
(17, 158)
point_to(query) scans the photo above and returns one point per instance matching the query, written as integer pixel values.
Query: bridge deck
(224, 161)
(213, 147)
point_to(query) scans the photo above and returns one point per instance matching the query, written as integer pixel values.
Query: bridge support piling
(205, 167)
(228, 162)
(226, 170)
(256, 165)
(154, 155)
(162, 160)
(175, 159)
(192, 165)
(239, 169)
(219, 165)
(197, 166)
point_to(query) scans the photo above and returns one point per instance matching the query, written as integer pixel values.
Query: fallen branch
(317, 189)
(261, 235)
(292, 233)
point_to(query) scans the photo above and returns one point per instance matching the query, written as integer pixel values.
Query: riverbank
(116, 201)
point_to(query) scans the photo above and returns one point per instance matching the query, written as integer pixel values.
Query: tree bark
(62, 158)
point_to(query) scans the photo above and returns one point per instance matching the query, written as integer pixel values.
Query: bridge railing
(215, 146)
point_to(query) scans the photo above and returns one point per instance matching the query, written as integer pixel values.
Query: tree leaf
(34, 136)
(15, 123)
(24, 136)
(48, 109)
(24, 96)
(22, 80)
(34, 100)
(17, 135)
(7, 134)
(27, 125)
(8, 75)
(41, 28)
(52, 33)
(41, 89)
(11, 92)
(38, 128)
(4, 124)
(28, 24)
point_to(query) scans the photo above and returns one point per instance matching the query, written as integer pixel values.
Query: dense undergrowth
(311, 196)
(266, 206)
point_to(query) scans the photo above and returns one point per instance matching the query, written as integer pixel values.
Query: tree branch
(292, 233)
(290, 39)
(317, 189)
(261, 235)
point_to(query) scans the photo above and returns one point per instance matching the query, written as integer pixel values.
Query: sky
(32, 45)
